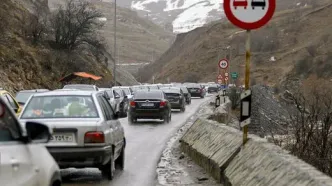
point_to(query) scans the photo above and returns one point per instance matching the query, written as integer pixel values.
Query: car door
(113, 127)
(16, 162)
(116, 125)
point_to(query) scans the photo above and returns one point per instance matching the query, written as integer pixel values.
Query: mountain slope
(139, 40)
(296, 43)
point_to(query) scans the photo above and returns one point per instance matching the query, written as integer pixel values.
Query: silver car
(113, 98)
(86, 131)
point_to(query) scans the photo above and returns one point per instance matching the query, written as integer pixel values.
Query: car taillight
(94, 137)
(162, 103)
(133, 104)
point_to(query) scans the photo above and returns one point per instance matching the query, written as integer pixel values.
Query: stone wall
(218, 149)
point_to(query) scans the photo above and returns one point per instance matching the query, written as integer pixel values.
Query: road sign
(245, 108)
(220, 81)
(234, 75)
(226, 78)
(223, 64)
(249, 14)
(219, 76)
(226, 74)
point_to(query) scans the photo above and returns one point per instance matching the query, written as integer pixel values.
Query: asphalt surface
(145, 142)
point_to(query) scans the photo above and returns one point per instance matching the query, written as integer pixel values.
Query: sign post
(248, 16)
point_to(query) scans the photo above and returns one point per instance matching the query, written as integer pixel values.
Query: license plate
(147, 104)
(62, 138)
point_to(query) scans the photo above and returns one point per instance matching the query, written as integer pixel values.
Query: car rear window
(176, 91)
(184, 89)
(66, 106)
(148, 95)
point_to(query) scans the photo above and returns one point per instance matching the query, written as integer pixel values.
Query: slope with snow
(185, 15)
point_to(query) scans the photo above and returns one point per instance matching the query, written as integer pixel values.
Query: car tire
(183, 109)
(131, 120)
(120, 162)
(166, 118)
(108, 170)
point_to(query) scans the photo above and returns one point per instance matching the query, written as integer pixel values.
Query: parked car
(123, 101)
(24, 159)
(176, 97)
(113, 98)
(81, 87)
(213, 88)
(84, 135)
(23, 95)
(196, 90)
(151, 104)
(153, 87)
(139, 87)
(11, 101)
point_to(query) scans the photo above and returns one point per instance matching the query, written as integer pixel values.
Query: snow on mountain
(184, 15)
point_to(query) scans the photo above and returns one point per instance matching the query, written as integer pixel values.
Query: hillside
(27, 65)
(298, 38)
(139, 40)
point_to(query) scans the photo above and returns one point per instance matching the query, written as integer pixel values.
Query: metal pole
(247, 78)
(114, 73)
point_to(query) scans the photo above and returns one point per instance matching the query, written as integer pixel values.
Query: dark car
(196, 90)
(124, 101)
(186, 93)
(213, 88)
(150, 104)
(175, 97)
(23, 96)
(258, 3)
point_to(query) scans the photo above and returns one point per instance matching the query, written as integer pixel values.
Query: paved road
(145, 142)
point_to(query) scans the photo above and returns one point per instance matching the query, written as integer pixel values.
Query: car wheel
(166, 118)
(170, 116)
(120, 162)
(108, 170)
(131, 120)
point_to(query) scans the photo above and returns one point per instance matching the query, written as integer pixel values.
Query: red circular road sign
(223, 64)
(249, 14)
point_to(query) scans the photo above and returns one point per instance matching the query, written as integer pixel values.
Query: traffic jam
(43, 132)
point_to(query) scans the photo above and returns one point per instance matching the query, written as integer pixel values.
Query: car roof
(67, 92)
(35, 90)
(80, 85)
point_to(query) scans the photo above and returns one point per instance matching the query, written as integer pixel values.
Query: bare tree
(76, 24)
(310, 124)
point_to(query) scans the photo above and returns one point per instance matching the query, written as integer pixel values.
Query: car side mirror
(117, 97)
(37, 132)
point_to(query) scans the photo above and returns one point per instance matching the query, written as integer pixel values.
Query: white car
(24, 160)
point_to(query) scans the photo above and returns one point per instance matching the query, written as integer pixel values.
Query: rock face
(267, 113)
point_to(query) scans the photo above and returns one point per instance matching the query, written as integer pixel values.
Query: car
(84, 135)
(128, 92)
(24, 159)
(186, 93)
(11, 101)
(113, 98)
(23, 95)
(123, 101)
(258, 3)
(150, 104)
(213, 88)
(81, 87)
(196, 90)
(176, 97)
(242, 3)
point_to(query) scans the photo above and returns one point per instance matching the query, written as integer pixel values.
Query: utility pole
(114, 73)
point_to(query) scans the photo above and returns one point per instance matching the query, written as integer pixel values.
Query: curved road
(145, 142)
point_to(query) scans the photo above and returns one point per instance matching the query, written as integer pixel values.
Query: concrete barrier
(218, 149)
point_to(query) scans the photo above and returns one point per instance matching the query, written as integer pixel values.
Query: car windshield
(79, 87)
(23, 97)
(171, 90)
(214, 86)
(194, 86)
(148, 95)
(118, 91)
(60, 107)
